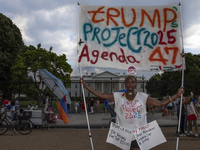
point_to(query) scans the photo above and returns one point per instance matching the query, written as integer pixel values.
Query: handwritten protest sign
(149, 136)
(124, 36)
(119, 136)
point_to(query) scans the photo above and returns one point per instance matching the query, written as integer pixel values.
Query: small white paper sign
(120, 136)
(149, 135)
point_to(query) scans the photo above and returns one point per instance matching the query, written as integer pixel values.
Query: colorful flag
(62, 108)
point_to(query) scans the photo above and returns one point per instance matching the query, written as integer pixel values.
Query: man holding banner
(141, 37)
(130, 106)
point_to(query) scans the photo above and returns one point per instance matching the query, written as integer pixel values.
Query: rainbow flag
(62, 108)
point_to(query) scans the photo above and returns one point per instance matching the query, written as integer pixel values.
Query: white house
(106, 82)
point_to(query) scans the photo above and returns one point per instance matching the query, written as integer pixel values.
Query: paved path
(75, 136)
(78, 139)
(101, 120)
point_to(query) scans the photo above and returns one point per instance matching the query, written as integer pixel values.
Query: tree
(32, 60)
(11, 46)
(152, 86)
(171, 81)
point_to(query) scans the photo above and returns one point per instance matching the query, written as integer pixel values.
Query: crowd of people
(188, 124)
(93, 106)
(13, 108)
(190, 111)
(189, 114)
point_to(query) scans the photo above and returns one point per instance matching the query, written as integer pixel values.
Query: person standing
(29, 106)
(183, 113)
(49, 104)
(69, 109)
(170, 110)
(82, 106)
(151, 109)
(17, 105)
(198, 106)
(88, 105)
(76, 105)
(95, 106)
(46, 104)
(194, 99)
(98, 104)
(106, 105)
(131, 99)
(91, 106)
(192, 116)
(111, 108)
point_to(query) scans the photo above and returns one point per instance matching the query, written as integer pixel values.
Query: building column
(102, 87)
(93, 85)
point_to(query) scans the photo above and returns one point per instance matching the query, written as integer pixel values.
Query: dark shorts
(134, 144)
(151, 108)
(106, 108)
(169, 107)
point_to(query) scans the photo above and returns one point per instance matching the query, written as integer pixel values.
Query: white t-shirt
(190, 109)
(170, 104)
(131, 114)
(47, 100)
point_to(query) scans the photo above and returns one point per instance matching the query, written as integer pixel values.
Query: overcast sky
(55, 23)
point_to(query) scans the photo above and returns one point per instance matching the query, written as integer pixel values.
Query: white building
(105, 82)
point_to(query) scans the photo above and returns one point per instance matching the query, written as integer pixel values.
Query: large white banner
(124, 36)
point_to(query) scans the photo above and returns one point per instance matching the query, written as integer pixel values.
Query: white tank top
(131, 114)
(190, 109)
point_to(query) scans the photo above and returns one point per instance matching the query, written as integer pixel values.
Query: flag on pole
(62, 108)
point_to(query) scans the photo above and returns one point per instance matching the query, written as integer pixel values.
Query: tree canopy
(20, 63)
(33, 59)
(11, 46)
(168, 82)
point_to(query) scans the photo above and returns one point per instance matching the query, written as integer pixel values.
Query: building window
(75, 86)
(141, 86)
(88, 94)
(113, 86)
(122, 86)
(97, 86)
(106, 86)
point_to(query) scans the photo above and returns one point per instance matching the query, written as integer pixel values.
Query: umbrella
(54, 84)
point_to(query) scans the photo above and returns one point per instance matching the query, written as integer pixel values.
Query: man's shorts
(134, 144)
(169, 107)
(106, 108)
